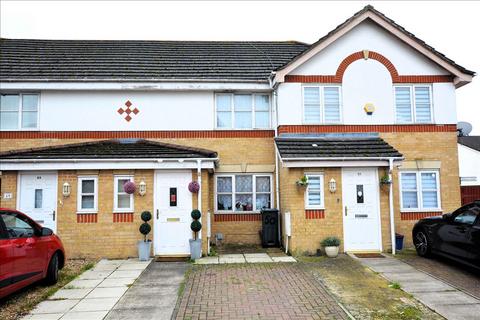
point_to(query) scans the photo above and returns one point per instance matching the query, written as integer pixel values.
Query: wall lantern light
(332, 185)
(142, 188)
(66, 189)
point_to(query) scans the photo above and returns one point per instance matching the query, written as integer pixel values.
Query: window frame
(322, 191)
(253, 110)
(413, 107)
(80, 193)
(254, 192)
(20, 111)
(116, 209)
(418, 176)
(322, 103)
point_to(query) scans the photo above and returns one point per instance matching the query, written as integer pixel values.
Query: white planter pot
(144, 250)
(195, 249)
(331, 252)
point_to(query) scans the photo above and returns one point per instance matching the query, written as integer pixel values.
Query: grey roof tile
(335, 147)
(472, 142)
(63, 60)
(111, 149)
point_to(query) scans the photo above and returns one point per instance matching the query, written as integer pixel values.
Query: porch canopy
(335, 150)
(109, 154)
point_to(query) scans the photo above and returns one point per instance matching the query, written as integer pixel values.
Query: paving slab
(157, 313)
(94, 275)
(132, 266)
(83, 284)
(426, 286)
(70, 294)
(54, 306)
(207, 260)
(259, 260)
(125, 274)
(231, 258)
(459, 311)
(446, 297)
(407, 276)
(284, 259)
(90, 315)
(115, 292)
(97, 304)
(117, 282)
(45, 316)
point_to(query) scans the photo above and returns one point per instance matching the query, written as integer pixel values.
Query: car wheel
(422, 243)
(52, 272)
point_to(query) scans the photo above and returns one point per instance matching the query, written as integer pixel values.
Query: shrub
(145, 230)
(146, 216)
(330, 242)
(196, 214)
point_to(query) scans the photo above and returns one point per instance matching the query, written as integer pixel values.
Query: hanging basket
(130, 187)
(193, 187)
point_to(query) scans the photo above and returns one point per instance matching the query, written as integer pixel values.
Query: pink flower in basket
(129, 187)
(193, 187)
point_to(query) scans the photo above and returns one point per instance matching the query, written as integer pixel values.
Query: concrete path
(93, 294)
(435, 294)
(245, 258)
(153, 295)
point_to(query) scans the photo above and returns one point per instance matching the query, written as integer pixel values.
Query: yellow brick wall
(440, 146)
(238, 151)
(104, 238)
(8, 183)
(307, 233)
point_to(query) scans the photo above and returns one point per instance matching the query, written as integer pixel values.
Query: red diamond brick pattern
(255, 291)
(128, 111)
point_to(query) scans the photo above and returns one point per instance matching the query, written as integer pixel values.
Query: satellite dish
(464, 128)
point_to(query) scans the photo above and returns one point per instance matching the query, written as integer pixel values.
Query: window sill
(237, 212)
(87, 212)
(314, 208)
(244, 129)
(20, 130)
(123, 211)
(420, 210)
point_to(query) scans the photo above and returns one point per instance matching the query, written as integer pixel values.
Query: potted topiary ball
(331, 245)
(145, 245)
(195, 243)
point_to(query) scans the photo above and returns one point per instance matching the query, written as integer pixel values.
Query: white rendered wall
(469, 163)
(94, 110)
(369, 36)
(367, 81)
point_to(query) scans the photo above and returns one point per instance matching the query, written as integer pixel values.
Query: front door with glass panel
(38, 197)
(173, 206)
(361, 216)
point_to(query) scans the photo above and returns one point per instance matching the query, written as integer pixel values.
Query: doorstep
(245, 258)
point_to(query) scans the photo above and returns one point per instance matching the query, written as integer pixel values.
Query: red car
(28, 252)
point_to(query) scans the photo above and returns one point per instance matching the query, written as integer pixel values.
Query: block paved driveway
(255, 291)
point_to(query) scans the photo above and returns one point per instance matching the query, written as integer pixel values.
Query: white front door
(361, 209)
(173, 206)
(38, 197)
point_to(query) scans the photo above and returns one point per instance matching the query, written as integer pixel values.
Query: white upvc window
(322, 104)
(18, 111)
(314, 195)
(87, 199)
(413, 103)
(242, 111)
(122, 201)
(243, 192)
(420, 190)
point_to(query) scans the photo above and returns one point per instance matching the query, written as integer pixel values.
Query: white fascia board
(136, 86)
(338, 162)
(95, 164)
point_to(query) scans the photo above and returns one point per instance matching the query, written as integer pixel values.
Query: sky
(451, 27)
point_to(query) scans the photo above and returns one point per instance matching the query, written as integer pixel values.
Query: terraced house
(366, 115)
